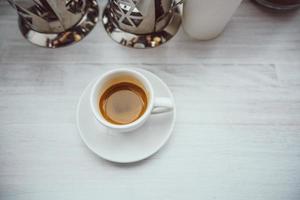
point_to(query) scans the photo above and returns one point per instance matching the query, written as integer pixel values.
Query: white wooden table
(237, 134)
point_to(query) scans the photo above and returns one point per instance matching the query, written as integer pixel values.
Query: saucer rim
(161, 144)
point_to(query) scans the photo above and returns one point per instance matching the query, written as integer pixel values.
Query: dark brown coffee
(123, 103)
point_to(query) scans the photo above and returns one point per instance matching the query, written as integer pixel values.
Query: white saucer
(126, 147)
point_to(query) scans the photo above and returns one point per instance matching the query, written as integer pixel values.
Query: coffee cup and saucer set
(126, 115)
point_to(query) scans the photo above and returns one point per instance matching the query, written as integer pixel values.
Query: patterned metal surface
(141, 16)
(127, 12)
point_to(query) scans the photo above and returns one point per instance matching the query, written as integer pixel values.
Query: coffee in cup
(123, 103)
(123, 99)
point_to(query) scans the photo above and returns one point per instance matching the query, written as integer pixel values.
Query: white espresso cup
(155, 105)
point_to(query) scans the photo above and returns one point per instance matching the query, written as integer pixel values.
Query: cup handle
(162, 105)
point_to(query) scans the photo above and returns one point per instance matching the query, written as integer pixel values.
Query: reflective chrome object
(280, 5)
(56, 23)
(142, 23)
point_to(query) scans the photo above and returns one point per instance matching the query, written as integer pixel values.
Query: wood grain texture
(237, 134)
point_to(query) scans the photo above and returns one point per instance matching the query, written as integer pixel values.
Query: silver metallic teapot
(142, 17)
(55, 23)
